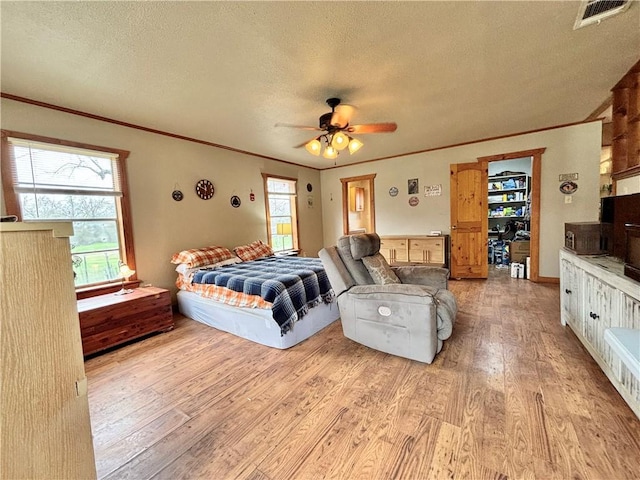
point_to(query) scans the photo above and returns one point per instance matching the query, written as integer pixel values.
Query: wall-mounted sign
(568, 188)
(433, 190)
(567, 177)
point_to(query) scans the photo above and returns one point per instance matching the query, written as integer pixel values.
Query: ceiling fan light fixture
(340, 141)
(313, 147)
(330, 152)
(354, 145)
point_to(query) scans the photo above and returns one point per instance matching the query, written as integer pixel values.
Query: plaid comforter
(291, 284)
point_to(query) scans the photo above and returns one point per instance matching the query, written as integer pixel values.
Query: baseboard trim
(549, 280)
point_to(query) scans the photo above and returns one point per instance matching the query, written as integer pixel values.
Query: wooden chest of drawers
(109, 320)
(419, 250)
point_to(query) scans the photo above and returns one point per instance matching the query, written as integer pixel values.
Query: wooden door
(469, 220)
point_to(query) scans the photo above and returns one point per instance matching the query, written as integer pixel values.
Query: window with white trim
(282, 219)
(64, 182)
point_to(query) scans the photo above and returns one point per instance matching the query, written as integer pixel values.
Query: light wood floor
(512, 395)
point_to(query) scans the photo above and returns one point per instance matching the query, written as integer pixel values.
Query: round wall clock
(204, 189)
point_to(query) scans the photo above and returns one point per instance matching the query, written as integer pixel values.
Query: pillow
(198, 257)
(185, 270)
(253, 251)
(380, 270)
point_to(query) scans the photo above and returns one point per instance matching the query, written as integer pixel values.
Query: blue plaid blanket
(292, 285)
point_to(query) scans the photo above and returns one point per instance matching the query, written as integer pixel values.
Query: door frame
(345, 200)
(536, 173)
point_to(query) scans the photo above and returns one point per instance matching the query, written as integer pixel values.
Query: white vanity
(602, 307)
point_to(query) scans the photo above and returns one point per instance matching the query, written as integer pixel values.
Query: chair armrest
(423, 275)
(395, 291)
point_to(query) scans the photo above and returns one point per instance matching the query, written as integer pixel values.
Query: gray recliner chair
(405, 311)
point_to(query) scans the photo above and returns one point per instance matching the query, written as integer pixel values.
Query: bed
(277, 301)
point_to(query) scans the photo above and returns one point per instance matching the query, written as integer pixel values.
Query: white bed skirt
(255, 324)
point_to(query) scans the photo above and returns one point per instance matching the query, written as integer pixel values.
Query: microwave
(583, 238)
(632, 254)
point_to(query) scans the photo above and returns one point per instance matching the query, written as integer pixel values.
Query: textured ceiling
(227, 72)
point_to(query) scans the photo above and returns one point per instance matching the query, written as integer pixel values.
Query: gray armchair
(405, 311)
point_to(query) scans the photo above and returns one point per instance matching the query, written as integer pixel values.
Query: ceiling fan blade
(373, 128)
(342, 115)
(301, 127)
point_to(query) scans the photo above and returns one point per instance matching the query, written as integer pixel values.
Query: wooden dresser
(44, 427)
(109, 320)
(416, 250)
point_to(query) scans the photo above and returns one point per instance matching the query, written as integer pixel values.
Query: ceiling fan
(338, 129)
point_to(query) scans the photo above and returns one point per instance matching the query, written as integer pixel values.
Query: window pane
(279, 206)
(94, 236)
(95, 267)
(56, 169)
(280, 186)
(66, 207)
(95, 251)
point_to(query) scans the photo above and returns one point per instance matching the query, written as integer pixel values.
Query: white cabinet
(570, 296)
(595, 297)
(629, 318)
(598, 312)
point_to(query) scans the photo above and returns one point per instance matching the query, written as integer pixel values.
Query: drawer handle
(594, 315)
(566, 290)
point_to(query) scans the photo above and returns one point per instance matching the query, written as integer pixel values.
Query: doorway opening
(509, 217)
(532, 213)
(358, 204)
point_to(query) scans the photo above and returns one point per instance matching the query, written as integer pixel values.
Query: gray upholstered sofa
(409, 315)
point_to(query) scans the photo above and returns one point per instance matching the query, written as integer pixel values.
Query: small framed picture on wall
(413, 186)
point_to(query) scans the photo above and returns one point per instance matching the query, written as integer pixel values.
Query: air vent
(593, 11)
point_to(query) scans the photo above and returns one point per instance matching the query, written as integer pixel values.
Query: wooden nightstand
(109, 320)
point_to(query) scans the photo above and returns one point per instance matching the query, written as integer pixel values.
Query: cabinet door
(394, 249)
(570, 295)
(629, 317)
(598, 312)
(427, 250)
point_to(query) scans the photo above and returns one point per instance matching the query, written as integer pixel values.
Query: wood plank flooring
(512, 395)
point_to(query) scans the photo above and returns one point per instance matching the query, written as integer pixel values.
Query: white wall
(162, 226)
(569, 149)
